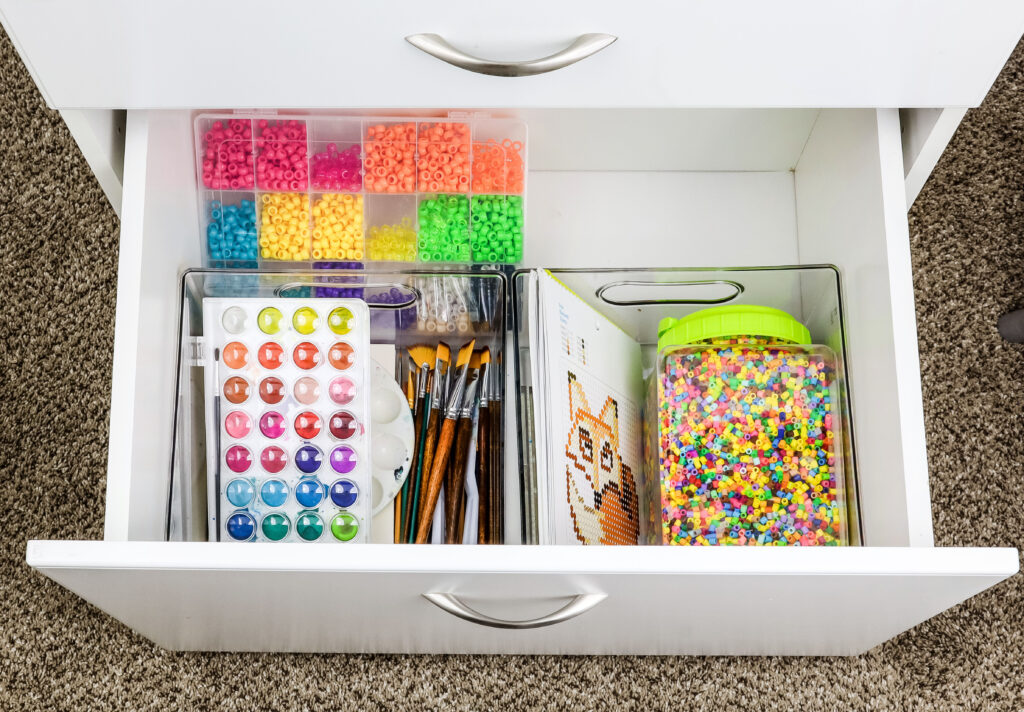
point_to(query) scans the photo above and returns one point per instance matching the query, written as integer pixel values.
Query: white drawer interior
(606, 189)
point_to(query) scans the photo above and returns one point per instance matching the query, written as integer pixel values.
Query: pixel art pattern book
(594, 431)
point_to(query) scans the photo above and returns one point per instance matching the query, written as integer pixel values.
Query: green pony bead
(497, 228)
(444, 222)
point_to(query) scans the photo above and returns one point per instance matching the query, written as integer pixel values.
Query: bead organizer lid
(286, 190)
(280, 375)
(749, 440)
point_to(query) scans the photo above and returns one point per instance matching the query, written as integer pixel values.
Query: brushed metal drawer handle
(581, 48)
(579, 604)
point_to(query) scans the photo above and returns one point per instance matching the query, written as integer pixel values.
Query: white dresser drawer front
(120, 53)
(657, 600)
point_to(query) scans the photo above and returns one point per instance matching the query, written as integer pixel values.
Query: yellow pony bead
(338, 225)
(285, 231)
(392, 243)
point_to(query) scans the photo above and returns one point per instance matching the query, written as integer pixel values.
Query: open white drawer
(725, 188)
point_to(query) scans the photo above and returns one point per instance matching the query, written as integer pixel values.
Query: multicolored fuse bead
(748, 445)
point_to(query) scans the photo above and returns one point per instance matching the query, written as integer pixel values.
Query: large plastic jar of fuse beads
(749, 443)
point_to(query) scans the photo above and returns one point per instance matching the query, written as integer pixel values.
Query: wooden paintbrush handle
(483, 454)
(456, 482)
(496, 535)
(429, 452)
(444, 446)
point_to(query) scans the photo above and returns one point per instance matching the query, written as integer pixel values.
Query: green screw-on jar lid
(738, 320)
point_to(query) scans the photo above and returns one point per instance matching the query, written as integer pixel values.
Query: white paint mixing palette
(288, 419)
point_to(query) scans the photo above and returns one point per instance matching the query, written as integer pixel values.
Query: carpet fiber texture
(59, 242)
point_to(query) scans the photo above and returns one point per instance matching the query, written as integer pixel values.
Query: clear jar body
(749, 444)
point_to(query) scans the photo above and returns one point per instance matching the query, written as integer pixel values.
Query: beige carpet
(58, 250)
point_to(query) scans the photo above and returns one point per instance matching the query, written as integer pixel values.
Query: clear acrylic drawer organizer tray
(637, 299)
(407, 307)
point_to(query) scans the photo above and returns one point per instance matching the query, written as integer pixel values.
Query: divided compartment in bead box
(310, 155)
(407, 307)
(637, 299)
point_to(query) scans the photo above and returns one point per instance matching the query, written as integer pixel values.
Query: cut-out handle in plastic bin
(578, 605)
(629, 293)
(580, 48)
(414, 294)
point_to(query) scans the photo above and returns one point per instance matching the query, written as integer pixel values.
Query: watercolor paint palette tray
(280, 191)
(289, 419)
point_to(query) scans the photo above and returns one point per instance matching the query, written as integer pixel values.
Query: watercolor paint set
(283, 191)
(288, 420)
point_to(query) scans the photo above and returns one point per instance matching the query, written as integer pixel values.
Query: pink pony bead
(340, 171)
(282, 153)
(227, 155)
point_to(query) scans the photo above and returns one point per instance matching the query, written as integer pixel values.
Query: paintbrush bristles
(444, 353)
(422, 355)
(464, 354)
(485, 355)
(474, 360)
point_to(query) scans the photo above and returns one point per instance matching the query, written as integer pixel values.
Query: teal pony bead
(231, 232)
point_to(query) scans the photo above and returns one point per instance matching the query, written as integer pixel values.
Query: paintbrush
(421, 356)
(454, 488)
(216, 440)
(483, 449)
(416, 490)
(496, 485)
(431, 426)
(410, 388)
(444, 442)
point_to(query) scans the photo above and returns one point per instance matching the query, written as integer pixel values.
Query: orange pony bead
(497, 168)
(390, 155)
(444, 150)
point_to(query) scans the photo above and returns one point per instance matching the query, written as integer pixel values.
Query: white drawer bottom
(836, 197)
